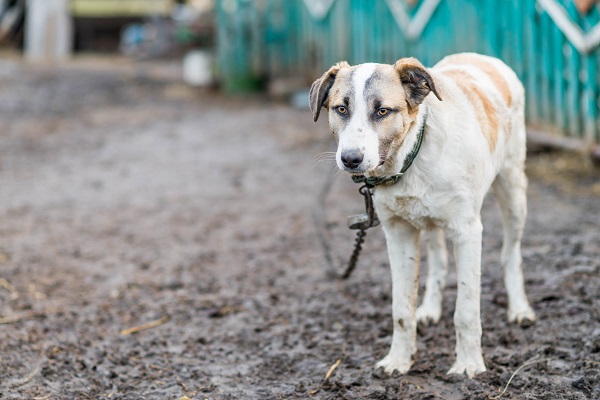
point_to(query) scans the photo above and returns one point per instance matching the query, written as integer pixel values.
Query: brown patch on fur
(385, 144)
(484, 108)
(386, 87)
(487, 68)
(416, 80)
(319, 90)
(408, 62)
(341, 89)
(397, 140)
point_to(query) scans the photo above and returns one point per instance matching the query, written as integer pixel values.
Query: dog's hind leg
(430, 309)
(467, 317)
(510, 189)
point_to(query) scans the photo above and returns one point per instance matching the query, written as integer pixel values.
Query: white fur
(430, 309)
(359, 134)
(443, 192)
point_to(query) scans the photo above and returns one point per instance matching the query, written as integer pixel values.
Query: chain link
(360, 238)
(371, 221)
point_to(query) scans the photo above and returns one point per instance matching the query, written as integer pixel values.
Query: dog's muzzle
(352, 158)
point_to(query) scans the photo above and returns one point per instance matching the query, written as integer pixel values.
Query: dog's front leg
(403, 250)
(467, 318)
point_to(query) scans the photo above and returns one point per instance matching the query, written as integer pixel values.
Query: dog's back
(497, 98)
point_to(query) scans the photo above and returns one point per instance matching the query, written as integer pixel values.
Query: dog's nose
(352, 158)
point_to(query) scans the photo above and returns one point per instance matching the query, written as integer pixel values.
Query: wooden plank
(573, 97)
(287, 27)
(545, 141)
(390, 52)
(437, 32)
(489, 16)
(589, 104)
(546, 24)
(532, 47)
(379, 40)
(357, 39)
(557, 44)
(592, 82)
(398, 40)
(338, 31)
(517, 61)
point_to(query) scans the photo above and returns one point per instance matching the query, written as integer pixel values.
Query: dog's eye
(341, 110)
(382, 112)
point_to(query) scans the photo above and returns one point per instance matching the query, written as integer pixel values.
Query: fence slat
(558, 78)
(590, 64)
(532, 48)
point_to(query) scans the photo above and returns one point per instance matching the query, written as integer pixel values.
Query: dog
(464, 120)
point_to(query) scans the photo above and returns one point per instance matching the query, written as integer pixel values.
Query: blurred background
(282, 46)
(170, 215)
(551, 44)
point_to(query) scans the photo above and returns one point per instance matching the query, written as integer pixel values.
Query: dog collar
(373, 181)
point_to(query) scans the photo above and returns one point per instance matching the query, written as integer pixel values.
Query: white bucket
(197, 68)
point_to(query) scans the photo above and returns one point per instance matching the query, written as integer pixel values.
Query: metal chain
(362, 222)
(360, 238)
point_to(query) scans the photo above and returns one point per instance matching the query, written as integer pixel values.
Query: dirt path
(126, 198)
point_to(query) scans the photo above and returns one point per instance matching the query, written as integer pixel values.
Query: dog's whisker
(324, 157)
(336, 171)
(326, 161)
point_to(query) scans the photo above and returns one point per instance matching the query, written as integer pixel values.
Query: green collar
(390, 180)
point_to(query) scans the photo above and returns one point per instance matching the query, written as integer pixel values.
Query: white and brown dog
(472, 140)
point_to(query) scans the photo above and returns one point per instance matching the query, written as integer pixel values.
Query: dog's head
(371, 108)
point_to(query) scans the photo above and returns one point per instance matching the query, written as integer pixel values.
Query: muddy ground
(127, 198)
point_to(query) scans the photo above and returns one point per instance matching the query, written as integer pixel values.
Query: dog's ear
(319, 91)
(416, 80)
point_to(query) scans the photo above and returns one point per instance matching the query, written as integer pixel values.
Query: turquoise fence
(553, 45)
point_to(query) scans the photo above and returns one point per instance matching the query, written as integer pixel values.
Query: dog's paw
(522, 316)
(470, 367)
(391, 364)
(427, 314)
